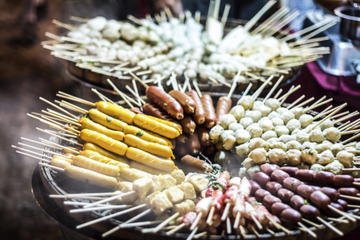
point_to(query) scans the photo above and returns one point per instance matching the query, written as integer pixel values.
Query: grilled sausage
(165, 102)
(261, 178)
(279, 175)
(199, 109)
(185, 101)
(210, 116)
(348, 191)
(297, 201)
(343, 180)
(194, 143)
(260, 194)
(152, 110)
(333, 213)
(304, 190)
(291, 183)
(320, 199)
(278, 207)
(309, 211)
(290, 216)
(269, 200)
(254, 187)
(268, 168)
(273, 187)
(305, 175)
(188, 124)
(323, 178)
(285, 194)
(204, 137)
(290, 170)
(343, 203)
(332, 193)
(196, 162)
(222, 107)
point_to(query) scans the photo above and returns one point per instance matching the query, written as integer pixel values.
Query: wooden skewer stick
(315, 103)
(199, 235)
(210, 216)
(56, 126)
(76, 197)
(51, 167)
(245, 92)
(356, 113)
(305, 102)
(338, 220)
(74, 98)
(75, 203)
(350, 132)
(331, 227)
(122, 95)
(270, 231)
(102, 194)
(176, 229)
(192, 233)
(71, 106)
(324, 112)
(52, 144)
(102, 96)
(346, 215)
(257, 223)
(164, 223)
(110, 216)
(350, 126)
(337, 109)
(278, 93)
(139, 224)
(311, 223)
(255, 232)
(58, 115)
(138, 216)
(33, 156)
(40, 143)
(306, 229)
(79, 19)
(57, 107)
(237, 220)
(226, 211)
(242, 231)
(261, 88)
(225, 14)
(353, 206)
(64, 25)
(66, 126)
(120, 195)
(228, 225)
(274, 88)
(340, 115)
(351, 138)
(258, 15)
(286, 95)
(196, 221)
(36, 148)
(296, 101)
(99, 208)
(58, 136)
(278, 225)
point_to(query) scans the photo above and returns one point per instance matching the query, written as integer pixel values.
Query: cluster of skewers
(152, 49)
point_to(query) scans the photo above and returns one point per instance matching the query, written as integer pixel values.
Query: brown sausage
(323, 178)
(285, 194)
(332, 193)
(279, 175)
(209, 150)
(199, 109)
(278, 207)
(297, 201)
(290, 170)
(273, 187)
(185, 101)
(261, 178)
(320, 199)
(136, 110)
(304, 190)
(343, 203)
(343, 181)
(309, 211)
(316, 188)
(290, 216)
(204, 137)
(210, 116)
(181, 145)
(333, 213)
(196, 162)
(292, 183)
(222, 107)
(188, 125)
(269, 200)
(254, 187)
(260, 194)
(194, 143)
(305, 175)
(152, 110)
(268, 168)
(348, 191)
(165, 102)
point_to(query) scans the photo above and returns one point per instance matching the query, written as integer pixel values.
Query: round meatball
(215, 133)
(293, 157)
(281, 130)
(229, 142)
(308, 144)
(332, 134)
(322, 147)
(275, 143)
(293, 124)
(309, 156)
(225, 134)
(297, 111)
(258, 155)
(286, 138)
(337, 147)
(242, 136)
(226, 120)
(357, 146)
(242, 149)
(274, 115)
(287, 116)
(268, 134)
(246, 121)
(335, 167)
(257, 105)
(325, 157)
(316, 135)
(345, 157)
(246, 102)
(277, 156)
(277, 121)
(302, 136)
(253, 114)
(281, 110)
(252, 170)
(266, 124)
(265, 110)
(328, 123)
(272, 103)
(317, 167)
(255, 130)
(305, 120)
(293, 144)
(235, 126)
(238, 112)
(258, 143)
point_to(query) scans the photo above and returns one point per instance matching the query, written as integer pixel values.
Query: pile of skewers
(152, 50)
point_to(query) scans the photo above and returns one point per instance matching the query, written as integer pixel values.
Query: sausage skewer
(223, 104)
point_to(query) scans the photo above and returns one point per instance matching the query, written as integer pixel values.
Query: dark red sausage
(348, 191)
(332, 193)
(304, 190)
(273, 187)
(268, 168)
(185, 101)
(316, 188)
(188, 125)
(152, 110)
(297, 201)
(204, 136)
(165, 102)
(292, 183)
(320, 199)
(254, 187)
(199, 109)
(222, 107)
(279, 175)
(284, 194)
(278, 207)
(343, 181)
(305, 175)
(343, 203)
(194, 143)
(261, 178)
(333, 213)
(269, 200)
(309, 211)
(290, 170)
(196, 162)
(324, 178)
(260, 194)
(210, 116)
(290, 216)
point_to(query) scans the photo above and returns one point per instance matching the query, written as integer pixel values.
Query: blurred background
(27, 71)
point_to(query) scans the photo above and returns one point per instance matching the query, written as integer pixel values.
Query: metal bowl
(349, 23)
